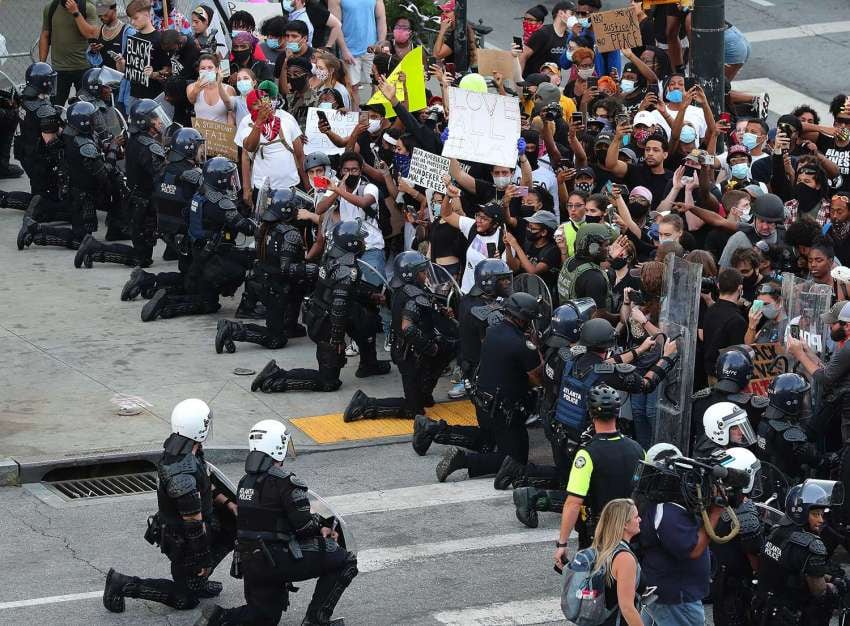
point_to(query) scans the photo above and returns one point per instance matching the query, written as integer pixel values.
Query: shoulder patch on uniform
(624, 368)
(759, 402)
(779, 425)
(579, 462)
(817, 547)
(604, 368)
(181, 484)
(565, 354)
(292, 236)
(802, 538)
(226, 204)
(794, 435)
(89, 150)
(157, 150)
(279, 472)
(297, 481)
(192, 176)
(702, 393)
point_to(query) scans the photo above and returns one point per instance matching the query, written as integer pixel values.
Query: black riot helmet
(603, 402)
(812, 494)
(146, 114)
(406, 267)
(591, 240)
(80, 117)
(733, 370)
(90, 81)
(220, 175)
(597, 335)
(40, 80)
(283, 207)
(787, 394)
(187, 144)
(567, 320)
(348, 236)
(522, 307)
(492, 278)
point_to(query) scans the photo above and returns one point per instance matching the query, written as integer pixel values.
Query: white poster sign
(427, 170)
(341, 123)
(483, 127)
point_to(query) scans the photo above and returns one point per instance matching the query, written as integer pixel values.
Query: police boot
(356, 408)
(226, 333)
(424, 430)
(26, 234)
(269, 372)
(529, 500)
(509, 472)
(453, 460)
(140, 282)
(211, 616)
(115, 233)
(328, 591)
(88, 247)
(113, 591)
(250, 309)
(154, 307)
(369, 363)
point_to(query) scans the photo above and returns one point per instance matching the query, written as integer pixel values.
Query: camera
(708, 285)
(787, 129)
(551, 112)
(638, 297)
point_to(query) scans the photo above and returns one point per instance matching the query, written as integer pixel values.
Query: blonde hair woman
(617, 525)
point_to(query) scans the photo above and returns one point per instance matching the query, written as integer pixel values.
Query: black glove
(840, 585)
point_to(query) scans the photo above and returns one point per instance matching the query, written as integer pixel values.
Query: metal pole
(707, 60)
(461, 47)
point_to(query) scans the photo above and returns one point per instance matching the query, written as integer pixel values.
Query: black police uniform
(280, 542)
(784, 444)
(475, 314)
(145, 162)
(8, 125)
(791, 554)
(184, 490)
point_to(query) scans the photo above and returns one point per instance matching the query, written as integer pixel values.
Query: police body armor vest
(79, 176)
(142, 150)
(413, 298)
(172, 466)
(614, 464)
(275, 248)
(255, 513)
(567, 281)
(172, 198)
(334, 271)
(571, 406)
(779, 574)
(207, 218)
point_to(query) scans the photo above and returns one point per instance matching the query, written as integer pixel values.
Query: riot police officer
(794, 588)
(280, 270)
(189, 526)
(510, 367)
(333, 310)
(724, 424)
(281, 541)
(582, 275)
(423, 344)
(88, 173)
(180, 181)
(218, 267)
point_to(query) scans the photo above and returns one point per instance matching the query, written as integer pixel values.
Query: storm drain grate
(105, 487)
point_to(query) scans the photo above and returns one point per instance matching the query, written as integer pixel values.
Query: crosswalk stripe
(19, 604)
(795, 32)
(782, 99)
(519, 612)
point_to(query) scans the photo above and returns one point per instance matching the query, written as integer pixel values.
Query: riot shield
(805, 303)
(8, 89)
(533, 285)
(443, 285)
(264, 196)
(678, 319)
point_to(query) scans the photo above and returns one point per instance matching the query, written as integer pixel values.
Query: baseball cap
(102, 7)
(585, 171)
(544, 218)
(755, 191)
(738, 149)
(840, 312)
(645, 118)
(629, 154)
(534, 80)
(642, 192)
(552, 67)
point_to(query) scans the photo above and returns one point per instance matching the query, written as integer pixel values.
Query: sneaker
(458, 391)
(351, 350)
(388, 342)
(456, 375)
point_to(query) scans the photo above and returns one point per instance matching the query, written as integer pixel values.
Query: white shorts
(361, 72)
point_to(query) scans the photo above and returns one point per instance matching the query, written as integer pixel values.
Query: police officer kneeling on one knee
(280, 541)
(794, 588)
(188, 526)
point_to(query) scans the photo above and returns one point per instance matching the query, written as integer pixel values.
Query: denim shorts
(682, 614)
(736, 48)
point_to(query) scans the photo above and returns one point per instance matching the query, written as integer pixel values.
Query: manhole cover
(244, 371)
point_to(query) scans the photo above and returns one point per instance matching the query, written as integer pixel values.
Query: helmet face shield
(822, 493)
(741, 425)
(160, 120)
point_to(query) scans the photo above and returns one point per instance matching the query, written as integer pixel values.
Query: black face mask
(241, 56)
(298, 84)
(618, 264)
(351, 182)
(593, 219)
(751, 281)
(386, 155)
(532, 159)
(809, 198)
(530, 236)
(838, 335)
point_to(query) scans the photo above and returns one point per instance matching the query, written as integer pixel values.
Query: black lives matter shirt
(548, 47)
(839, 156)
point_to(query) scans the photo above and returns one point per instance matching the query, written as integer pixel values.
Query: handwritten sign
(138, 58)
(341, 123)
(616, 30)
(483, 127)
(260, 11)
(427, 170)
(218, 138)
(490, 61)
(763, 366)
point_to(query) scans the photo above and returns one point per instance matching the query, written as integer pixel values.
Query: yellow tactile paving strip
(331, 428)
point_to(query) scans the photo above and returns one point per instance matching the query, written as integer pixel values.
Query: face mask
(674, 96)
(746, 215)
(245, 86)
(627, 86)
(327, 106)
(618, 264)
(240, 56)
(293, 46)
(351, 182)
(402, 163)
(401, 35)
(585, 22)
(501, 181)
(749, 140)
(436, 208)
(374, 126)
(233, 33)
(641, 135)
(740, 171)
(572, 20)
(299, 83)
(838, 335)
(532, 159)
(749, 281)
(585, 187)
(273, 44)
(843, 135)
(528, 29)
(288, 5)
(688, 135)
(208, 75)
(593, 219)
(584, 74)
(569, 55)
(770, 311)
(530, 236)
(322, 75)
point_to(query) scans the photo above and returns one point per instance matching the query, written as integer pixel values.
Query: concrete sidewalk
(71, 349)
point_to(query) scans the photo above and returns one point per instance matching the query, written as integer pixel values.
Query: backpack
(583, 594)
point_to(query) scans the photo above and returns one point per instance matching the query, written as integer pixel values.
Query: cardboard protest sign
(763, 372)
(260, 11)
(341, 123)
(426, 170)
(414, 72)
(616, 30)
(138, 57)
(483, 127)
(490, 61)
(218, 138)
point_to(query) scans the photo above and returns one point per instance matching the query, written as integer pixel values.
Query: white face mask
(584, 74)
(374, 126)
(501, 181)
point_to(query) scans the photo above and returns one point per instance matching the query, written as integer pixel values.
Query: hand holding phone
(794, 331)
(521, 191)
(518, 42)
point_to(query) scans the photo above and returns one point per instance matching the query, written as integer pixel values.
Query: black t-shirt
(839, 156)
(548, 47)
(318, 15)
(551, 256)
(110, 45)
(506, 358)
(159, 60)
(446, 240)
(641, 175)
(724, 326)
(184, 63)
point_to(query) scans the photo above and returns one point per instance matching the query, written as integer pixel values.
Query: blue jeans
(736, 48)
(683, 614)
(644, 415)
(376, 259)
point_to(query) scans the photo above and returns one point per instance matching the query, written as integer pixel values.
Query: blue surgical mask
(288, 5)
(688, 135)
(244, 86)
(274, 44)
(740, 171)
(584, 22)
(208, 75)
(627, 86)
(436, 208)
(327, 106)
(293, 46)
(233, 33)
(749, 140)
(674, 96)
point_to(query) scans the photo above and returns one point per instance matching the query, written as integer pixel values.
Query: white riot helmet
(269, 436)
(721, 417)
(742, 460)
(192, 419)
(661, 451)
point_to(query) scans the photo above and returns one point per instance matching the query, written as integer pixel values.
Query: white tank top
(216, 112)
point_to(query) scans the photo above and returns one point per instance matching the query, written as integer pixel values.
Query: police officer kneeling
(794, 587)
(280, 540)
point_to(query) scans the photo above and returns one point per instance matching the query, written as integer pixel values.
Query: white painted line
(762, 3)
(50, 600)
(795, 32)
(782, 99)
(418, 497)
(537, 611)
(374, 560)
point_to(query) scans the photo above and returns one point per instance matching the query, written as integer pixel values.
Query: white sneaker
(456, 375)
(351, 350)
(388, 344)
(458, 391)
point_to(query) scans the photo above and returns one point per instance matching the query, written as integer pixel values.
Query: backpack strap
(55, 5)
